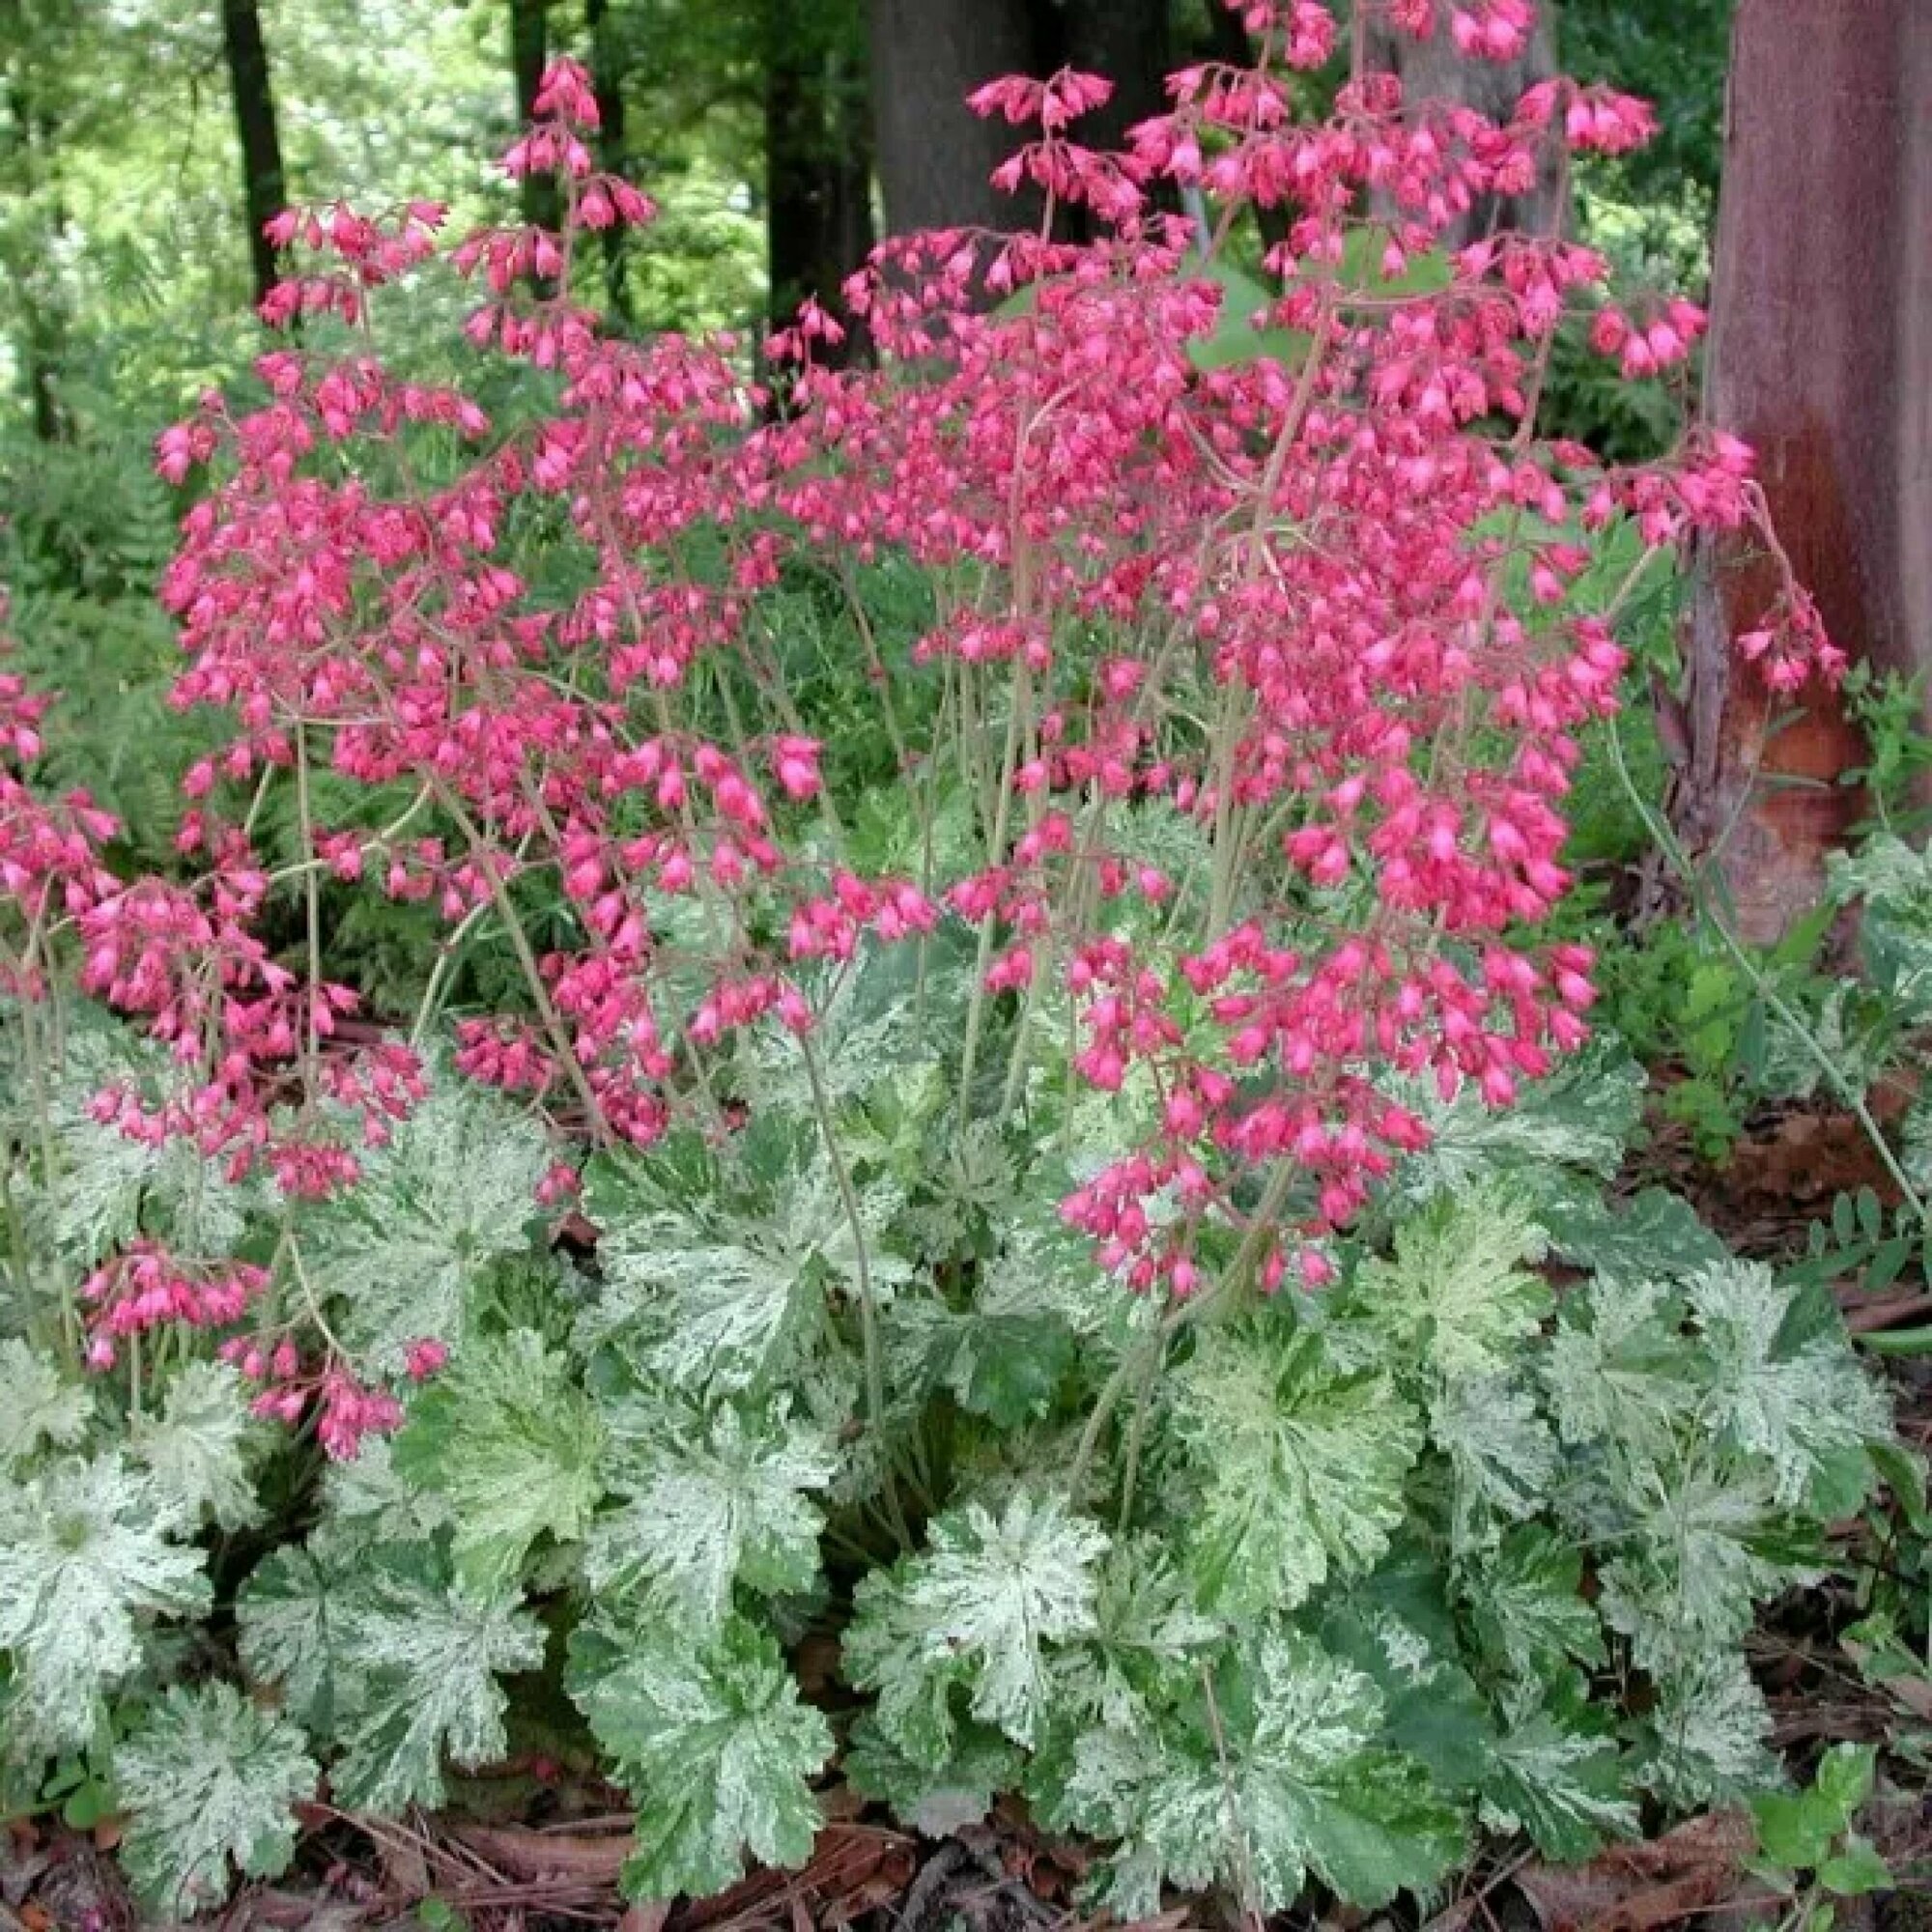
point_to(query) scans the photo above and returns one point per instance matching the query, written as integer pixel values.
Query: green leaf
(1525, 1600)
(507, 1435)
(714, 1746)
(1792, 1831)
(198, 1446)
(1617, 1369)
(1854, 1871)
(977, 1608)
(1007, 1367)
(1693, 1555)
(937, 1800)
(709, 1314)
(452, 1192)
(1580, 1120)
(1653, 1236)
(1704, 1739)
(1298, 1466)
(286, 1617)
(38, 1405)
(711, 1504)
(367, 1502)
(1047, 1269)
(1557, 1774)
(113, 1186)
(86, 1560)
(208, 1781)
(1798, 1829)
(1146, 1642)
(425, 1653)
(1274, 1772)
(1456, 1297)
(1502, 1457)
(1844, 1780)
(1431, 1709)
(1235, 339)
(1895, 881)
(716, 1271)
(1785, 1383)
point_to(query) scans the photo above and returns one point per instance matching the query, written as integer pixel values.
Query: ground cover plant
(967, 1057)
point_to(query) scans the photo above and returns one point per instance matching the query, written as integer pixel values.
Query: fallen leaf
(534, 1855)
(1639, 1887)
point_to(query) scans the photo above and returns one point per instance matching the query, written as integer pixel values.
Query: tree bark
(818, 167)
(529, 55)
(610, 63)
(1820, 354)
(1129, 40)
(264, 188)
(1431, 70)
(935, 157)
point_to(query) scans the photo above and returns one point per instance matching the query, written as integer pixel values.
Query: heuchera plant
(1313, 603)
(1228, 756)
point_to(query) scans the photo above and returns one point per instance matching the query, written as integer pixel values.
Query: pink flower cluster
(1314, 606)
(143, 1288)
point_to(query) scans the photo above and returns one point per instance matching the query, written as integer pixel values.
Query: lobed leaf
(87, 1560)
(1297, 1466)
(977, 1609)
(507, 1435)
(713, 1745)
(209, 1782)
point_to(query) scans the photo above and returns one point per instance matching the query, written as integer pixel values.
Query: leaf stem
(868, 1317)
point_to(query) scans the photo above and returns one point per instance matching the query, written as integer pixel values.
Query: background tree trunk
(1431, 70)
(263, 189)
(529, 55)
(928, 55)
(934, 155)
(1820, 354)
(819, 162)
(39, 298)
(1129, 40)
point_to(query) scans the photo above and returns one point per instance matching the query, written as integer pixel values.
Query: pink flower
(423, 1358)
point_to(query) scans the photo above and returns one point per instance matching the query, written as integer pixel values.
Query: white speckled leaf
(87, 1559)
(713, 1745)
(209, 1782)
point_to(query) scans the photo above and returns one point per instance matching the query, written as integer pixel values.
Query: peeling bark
(1820, 354)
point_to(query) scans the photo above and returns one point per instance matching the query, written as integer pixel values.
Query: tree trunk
(610, 63)
(263, 190)
(935, 157)
(1431, 70)
(1130, 43)
(529, 55)
(31, 144)
(1820, 354)
(819, 166)
(1129, 40)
